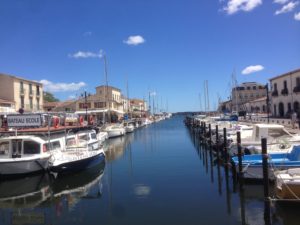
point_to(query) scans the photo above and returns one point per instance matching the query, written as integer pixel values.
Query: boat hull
(21, 167)
(78, 165)
(115, 133)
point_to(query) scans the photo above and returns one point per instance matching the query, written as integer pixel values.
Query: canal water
(159, 174)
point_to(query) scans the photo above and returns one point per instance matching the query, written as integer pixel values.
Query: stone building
(246, 92)
(285, 94)
(258, 105)
(21, 93)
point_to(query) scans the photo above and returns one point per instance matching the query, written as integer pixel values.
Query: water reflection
(250, 207)
(117, 146)
(28, 200)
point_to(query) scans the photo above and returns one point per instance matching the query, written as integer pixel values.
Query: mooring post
(265, 157)
(239, 149)
(204, 134)
(217, 139)
(209, 130)
(225, 145)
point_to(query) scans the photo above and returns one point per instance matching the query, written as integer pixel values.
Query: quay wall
(285, 122)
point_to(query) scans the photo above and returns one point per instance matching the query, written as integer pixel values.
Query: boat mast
(106, 88)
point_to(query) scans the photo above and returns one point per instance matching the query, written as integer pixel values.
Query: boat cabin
(22, 146)
(269, 131)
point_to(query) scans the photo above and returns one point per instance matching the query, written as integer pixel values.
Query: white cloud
(61, 87)
(280, 1)
(81, 54)
(287, 8)
(252, 69)
(134, 40)
(234, 6)
(297, 16)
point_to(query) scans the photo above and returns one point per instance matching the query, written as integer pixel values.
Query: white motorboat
(279, 140)
(82, 150)
(129, 127)
(23, 154)
(115, 130)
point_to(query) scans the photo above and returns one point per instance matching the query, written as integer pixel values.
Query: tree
(49, 97)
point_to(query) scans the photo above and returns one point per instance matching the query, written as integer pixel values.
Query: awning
(98, 111)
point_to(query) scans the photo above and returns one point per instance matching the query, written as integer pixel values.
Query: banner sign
(27, 120)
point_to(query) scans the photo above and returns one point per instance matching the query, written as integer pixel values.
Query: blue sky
(174, 46)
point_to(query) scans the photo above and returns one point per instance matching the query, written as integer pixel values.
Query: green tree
(49, 97)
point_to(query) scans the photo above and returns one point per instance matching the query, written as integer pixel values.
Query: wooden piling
(265, 167)
(267, 208)
(217, 139)
(239, 148)
(225, 145)
(209, 130)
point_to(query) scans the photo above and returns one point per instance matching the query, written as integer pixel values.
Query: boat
(82, 150)
(252, 164)
(129, 127)
(279, 139)
(287, 184)
(24, 154)
(115, 130)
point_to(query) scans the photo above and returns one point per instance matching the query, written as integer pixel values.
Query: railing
(31, 93)
(22, 91)
(285, 91)
(275, 93)
(296, 89)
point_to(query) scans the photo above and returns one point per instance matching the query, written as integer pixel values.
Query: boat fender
(91, 120)
(81, 120)
(56, 122)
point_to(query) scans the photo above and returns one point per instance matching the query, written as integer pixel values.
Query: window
(84, 137)
(30, 89)
(55, 145)
(31, 147)
(16, 148)
(71, 141)
(100, 104)
(275, 132)
(285, 84)
(22, 102)
(38, 90)
(93, 136)
(254, 87)
(275, 86)
(248, 88)
(37, 103)
(297, 81)
(4, 148)
(21, 87)
(83, 105)
(30, 102)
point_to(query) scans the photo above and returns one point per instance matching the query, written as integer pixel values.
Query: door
(16, 148)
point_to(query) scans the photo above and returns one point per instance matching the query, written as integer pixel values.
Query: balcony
(296, 89)
(22, 91)
(285, 91)
(31, 93)
(275, 93)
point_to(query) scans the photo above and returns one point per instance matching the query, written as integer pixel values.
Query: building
(6, 106)
(225, 107)
(258, 105)
(246, 92)
(64, 106)
(285, 94)
(138, 107)
(21, 93)
(106, 104)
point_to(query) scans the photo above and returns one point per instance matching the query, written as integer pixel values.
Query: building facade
(285, 94)
(246, 92)
(258, 105)
(24, 94)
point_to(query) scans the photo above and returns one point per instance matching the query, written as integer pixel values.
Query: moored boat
(82, 150)
(23, 154)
